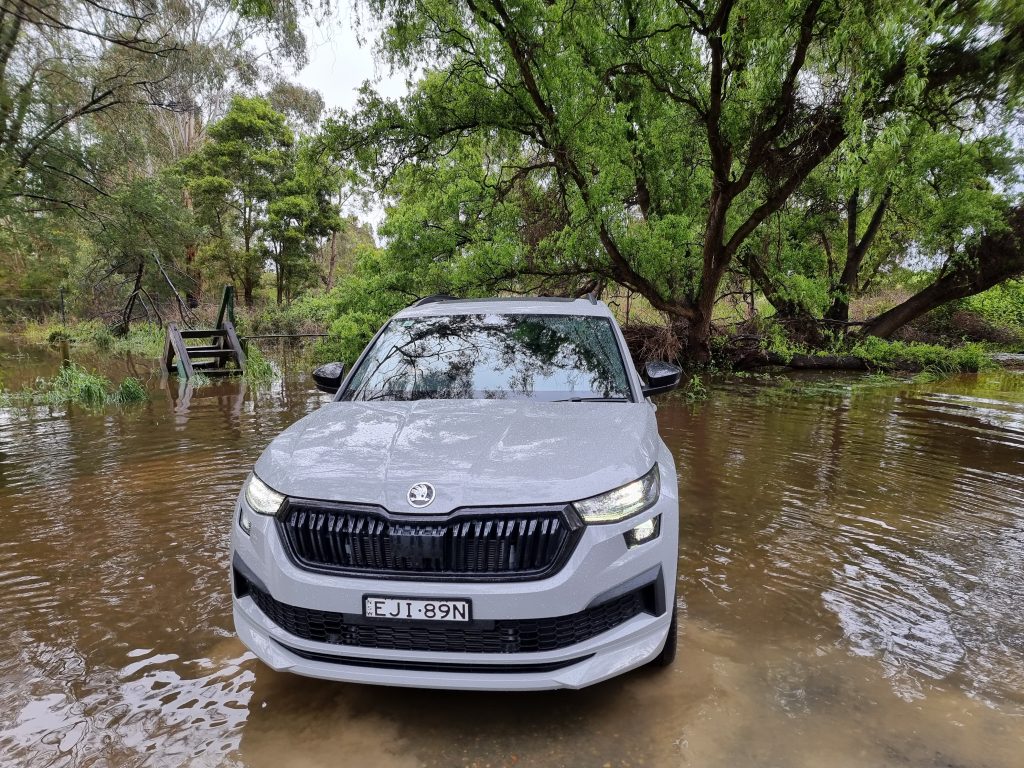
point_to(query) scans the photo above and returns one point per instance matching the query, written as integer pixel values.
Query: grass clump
(257, 368)
(939, 361)
(145, 339)
(129, 391)
(74, 384)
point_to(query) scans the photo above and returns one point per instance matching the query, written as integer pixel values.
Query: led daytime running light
(261, 498)
(621, 503)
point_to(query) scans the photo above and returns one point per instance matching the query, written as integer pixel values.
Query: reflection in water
(849, 590)
(546, 357)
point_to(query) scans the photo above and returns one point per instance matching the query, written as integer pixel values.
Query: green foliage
(258, 369)
(308, 314)
(1001, 305)
(548, 145)
(74, 384)
(364, 300)
(129, 391)
(940, 361)
(232, 180)
(776, 340)
(696, 390)
(146, 339)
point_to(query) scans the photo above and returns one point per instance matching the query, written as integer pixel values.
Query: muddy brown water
(850, 593)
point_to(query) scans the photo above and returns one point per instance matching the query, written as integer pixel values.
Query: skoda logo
(421, 494)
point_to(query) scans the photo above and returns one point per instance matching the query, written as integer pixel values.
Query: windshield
(493, 356)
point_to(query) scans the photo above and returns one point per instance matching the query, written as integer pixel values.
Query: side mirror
(328, 377)
(661, 377)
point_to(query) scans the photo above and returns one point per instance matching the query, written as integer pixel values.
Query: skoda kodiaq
(484, 504)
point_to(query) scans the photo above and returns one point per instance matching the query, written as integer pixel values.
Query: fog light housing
(648, 530)
(243, 519)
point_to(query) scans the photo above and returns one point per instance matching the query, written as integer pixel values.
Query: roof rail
(433, 298)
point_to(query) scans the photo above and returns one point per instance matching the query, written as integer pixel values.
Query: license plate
(415, 609)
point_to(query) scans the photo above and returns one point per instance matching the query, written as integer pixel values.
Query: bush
(1002, 304)
(309, 314)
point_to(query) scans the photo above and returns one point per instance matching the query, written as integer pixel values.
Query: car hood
(474, 452)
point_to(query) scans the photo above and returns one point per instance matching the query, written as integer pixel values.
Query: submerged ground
(850, 590)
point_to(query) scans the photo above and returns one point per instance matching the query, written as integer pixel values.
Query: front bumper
(600, 568)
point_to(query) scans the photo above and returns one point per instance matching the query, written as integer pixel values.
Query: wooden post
(227, 306)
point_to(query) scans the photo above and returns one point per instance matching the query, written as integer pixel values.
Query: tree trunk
(129, 307)
(194, 289)
(334, 259)
(716, 259)
(989, 261)
(856, 250)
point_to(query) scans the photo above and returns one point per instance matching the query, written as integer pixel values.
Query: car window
(493, 356)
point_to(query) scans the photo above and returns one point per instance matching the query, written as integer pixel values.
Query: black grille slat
(495, 543)
(501, 636)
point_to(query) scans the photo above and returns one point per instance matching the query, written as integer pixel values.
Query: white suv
(486, 504)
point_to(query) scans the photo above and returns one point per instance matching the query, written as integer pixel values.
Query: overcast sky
(338, 64)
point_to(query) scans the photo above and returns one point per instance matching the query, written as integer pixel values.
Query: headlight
(261, 498)
(629, 500)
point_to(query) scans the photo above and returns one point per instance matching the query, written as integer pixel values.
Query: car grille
(502, 636)
(471, 544)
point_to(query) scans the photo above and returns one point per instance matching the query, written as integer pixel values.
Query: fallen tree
(993, 258)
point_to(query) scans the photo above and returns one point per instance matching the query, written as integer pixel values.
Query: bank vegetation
(745, 181)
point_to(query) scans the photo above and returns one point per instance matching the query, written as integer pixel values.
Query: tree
(336, 256)
(97, 99)
(234, 178)
(144, 225)
(62, 63)
(666, 133)
(299, 220)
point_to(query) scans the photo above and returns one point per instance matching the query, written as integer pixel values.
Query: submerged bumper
(272, 596)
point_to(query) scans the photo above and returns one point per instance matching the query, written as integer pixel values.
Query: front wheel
(668, 653)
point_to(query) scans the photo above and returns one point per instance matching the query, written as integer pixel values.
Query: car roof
(506, 305)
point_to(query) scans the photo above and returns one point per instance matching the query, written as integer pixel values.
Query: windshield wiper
(592, 400)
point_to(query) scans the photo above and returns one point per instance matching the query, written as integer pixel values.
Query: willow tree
(657, 136)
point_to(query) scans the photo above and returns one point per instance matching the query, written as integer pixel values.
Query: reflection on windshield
(543, 357)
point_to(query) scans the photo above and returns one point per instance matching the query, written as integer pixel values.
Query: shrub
(1002, 304)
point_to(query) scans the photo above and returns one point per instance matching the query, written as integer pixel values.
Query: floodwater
(850, 592)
